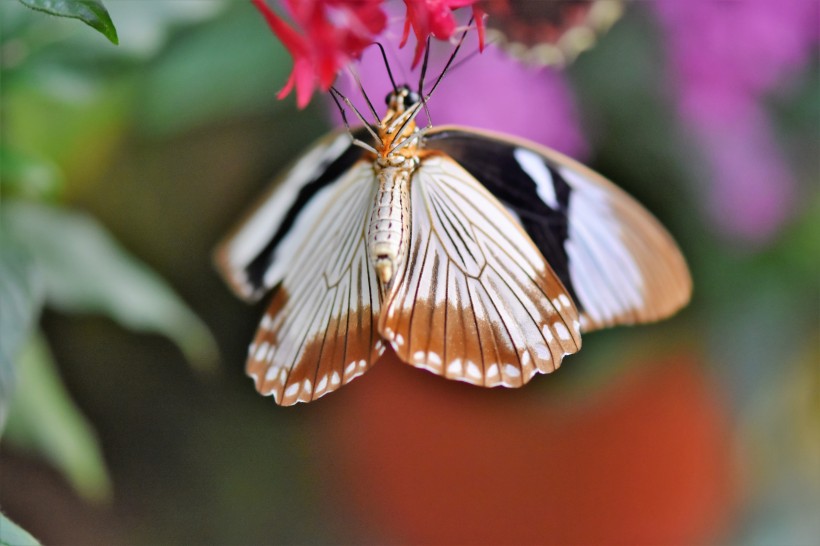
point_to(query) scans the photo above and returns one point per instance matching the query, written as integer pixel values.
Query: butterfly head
(398, 127)
(401, 99)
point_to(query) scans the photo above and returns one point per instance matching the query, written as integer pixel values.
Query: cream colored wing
(476, 300)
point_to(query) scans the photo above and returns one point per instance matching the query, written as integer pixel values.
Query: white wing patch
(319, 331)
(532, 164)
(624, 266)
(474, 302)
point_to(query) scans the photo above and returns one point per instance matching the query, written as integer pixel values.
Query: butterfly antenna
(467, 58)
(421, 82)
(452, 56)
(424, 97)
(364, 93)
(387, 66)
(336, 95)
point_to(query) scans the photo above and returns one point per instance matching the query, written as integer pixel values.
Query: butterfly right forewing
(616, 260)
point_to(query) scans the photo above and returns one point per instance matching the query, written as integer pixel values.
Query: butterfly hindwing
(319, 331)
(613, 256)
(476, 300)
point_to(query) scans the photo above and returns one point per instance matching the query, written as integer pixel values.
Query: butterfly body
(472, 255)
(389, 231)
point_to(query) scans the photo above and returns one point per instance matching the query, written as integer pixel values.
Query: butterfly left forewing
(319, 331)
(475, 301)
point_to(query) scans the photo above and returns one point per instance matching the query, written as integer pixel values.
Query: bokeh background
(128, 418)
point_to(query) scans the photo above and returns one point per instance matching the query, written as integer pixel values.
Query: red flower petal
(330, 33)
(435, 18)
(294, 43)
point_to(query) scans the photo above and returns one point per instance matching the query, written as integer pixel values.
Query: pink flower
(726, 57)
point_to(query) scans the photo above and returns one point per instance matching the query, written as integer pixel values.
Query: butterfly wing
(616, 260)
(476, 301)
(318, 332)
(248, 257)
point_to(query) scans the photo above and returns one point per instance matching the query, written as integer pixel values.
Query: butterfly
(477, 256)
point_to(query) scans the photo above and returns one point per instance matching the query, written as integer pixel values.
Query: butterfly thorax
(397, 130)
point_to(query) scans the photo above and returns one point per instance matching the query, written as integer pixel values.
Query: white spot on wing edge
(562, 331)
(492, 371)
(512, 370)
(455, 367)
(473, 370)
(293, 389)
(261, 350)
(547, 333)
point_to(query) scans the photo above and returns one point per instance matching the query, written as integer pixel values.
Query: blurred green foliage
(46, 422)
(61, 125)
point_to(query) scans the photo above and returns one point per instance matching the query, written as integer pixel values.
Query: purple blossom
(489, 91)
(726, 57)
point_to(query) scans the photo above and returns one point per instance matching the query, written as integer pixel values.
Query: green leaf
(12, 534)
(90, 12)
(86, 271)
(44, 420)
(21, 297)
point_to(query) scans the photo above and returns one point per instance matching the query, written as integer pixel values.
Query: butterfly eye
(411, 98)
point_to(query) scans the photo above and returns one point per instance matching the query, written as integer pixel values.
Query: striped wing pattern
(477, 302)
(319, 331)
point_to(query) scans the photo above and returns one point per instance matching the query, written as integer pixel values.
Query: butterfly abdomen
(389, 231)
